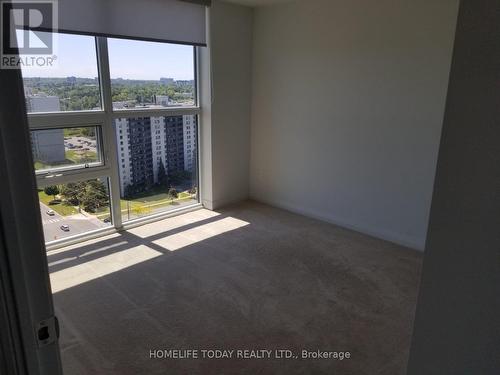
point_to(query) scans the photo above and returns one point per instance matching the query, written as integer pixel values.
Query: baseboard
(407, 241)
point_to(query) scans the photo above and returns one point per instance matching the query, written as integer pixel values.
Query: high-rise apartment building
(174, 145)
(146, 144)
(141, 161)
(190, 139)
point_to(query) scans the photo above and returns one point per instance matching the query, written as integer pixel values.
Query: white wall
(347, 109)
(231, 49)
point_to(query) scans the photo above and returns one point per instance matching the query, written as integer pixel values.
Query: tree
(93, 196)
(162, 176)
(192, 191)
(172, 193)
(71, 192)
(51, 190)
(88, 132)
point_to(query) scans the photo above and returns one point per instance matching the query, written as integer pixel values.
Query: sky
(128, 59)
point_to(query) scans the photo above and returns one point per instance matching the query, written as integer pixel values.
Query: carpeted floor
(249, 277)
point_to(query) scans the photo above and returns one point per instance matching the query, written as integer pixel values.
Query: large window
(74, 208)
(64, 148)
(114, 133)
(157, 160)
(151, 74)
(72, 85)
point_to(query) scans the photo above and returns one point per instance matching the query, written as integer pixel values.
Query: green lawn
(72, 157)
(138, 206)
(69, 132)
(144, 205)
(61, 208)
(156, 194)
(78, 157)
(152, 195)
(153, 203)
(131, 203)
(40, 165)
(76, 132)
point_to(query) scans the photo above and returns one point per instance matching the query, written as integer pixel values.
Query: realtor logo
(26, 38)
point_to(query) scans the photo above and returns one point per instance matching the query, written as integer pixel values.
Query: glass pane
(74, 208)
(151, 74)
(157, 158)
(72, 84)
(66, 148)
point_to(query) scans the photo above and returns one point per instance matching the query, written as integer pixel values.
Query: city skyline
(128, 59)
(116, 78)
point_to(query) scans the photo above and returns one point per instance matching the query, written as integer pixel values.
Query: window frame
(104, 118)
(51, 172)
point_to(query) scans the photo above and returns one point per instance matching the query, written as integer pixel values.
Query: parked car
(65, 227)
(50, 212)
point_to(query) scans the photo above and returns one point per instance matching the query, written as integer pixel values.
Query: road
(78, 223)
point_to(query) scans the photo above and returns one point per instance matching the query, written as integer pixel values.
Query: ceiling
(253, 3)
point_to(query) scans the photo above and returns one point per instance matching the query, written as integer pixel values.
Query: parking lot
(80, 143)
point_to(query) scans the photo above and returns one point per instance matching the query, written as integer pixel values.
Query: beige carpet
(249, 277)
